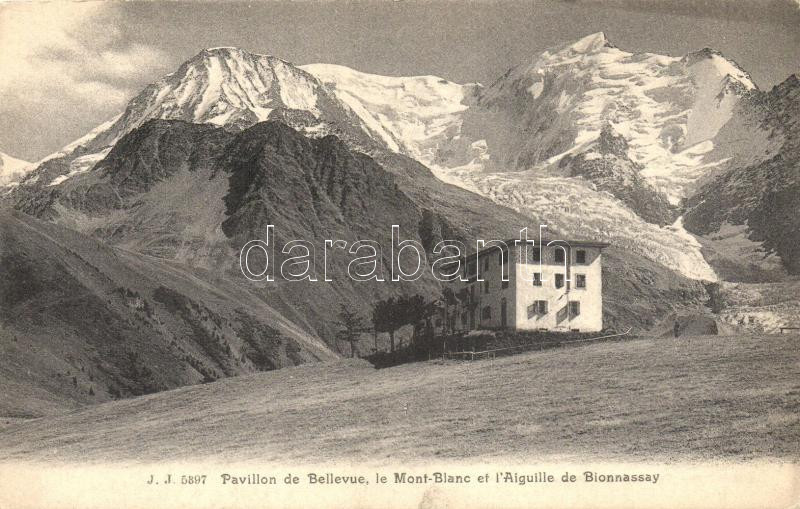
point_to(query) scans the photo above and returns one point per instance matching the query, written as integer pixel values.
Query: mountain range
(681, 163)
(535, 140)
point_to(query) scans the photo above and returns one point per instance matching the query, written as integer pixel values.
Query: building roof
(570, 243)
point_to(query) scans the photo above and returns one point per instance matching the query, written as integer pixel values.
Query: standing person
(676, 329)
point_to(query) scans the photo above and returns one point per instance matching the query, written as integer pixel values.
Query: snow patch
(536, 89)
(80, 165)
(12, 170)
(58, 180)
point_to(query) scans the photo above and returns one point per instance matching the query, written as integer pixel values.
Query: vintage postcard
(398, 254)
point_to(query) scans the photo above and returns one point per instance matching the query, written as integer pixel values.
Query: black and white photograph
(378, 254)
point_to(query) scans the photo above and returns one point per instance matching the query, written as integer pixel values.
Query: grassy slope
(72, 307)
(686, 399)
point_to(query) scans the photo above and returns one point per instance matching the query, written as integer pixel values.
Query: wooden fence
(491, 354)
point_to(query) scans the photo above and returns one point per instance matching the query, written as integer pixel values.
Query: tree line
(388, 316)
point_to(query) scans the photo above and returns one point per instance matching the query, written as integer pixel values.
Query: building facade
(555, 287)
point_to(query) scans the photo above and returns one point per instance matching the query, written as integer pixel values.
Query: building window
(580, 256)
(505, 284)
(530, 254)
(486, 286)
(559, 255)
(580, 280)
(574, 308)
(486, 313)
(486, 264)
(559, 280)
(537, 279)
(471, 269)
(539, 307)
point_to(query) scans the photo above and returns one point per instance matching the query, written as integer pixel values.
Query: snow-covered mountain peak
(416, 115)
(584, 123)
(226, 49)
(228, 87)
(224, 86)
(715, 63)
(667, 108)
(588, 44)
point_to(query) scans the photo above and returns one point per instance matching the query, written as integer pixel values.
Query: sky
(66, 67)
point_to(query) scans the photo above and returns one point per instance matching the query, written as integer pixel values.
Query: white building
(557, 287)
